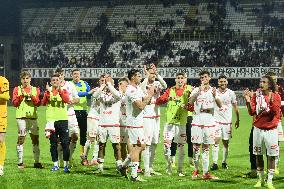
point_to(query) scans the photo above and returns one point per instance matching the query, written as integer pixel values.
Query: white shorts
(27, 125)
(73, 125)
(203, 129)
(223, 130)
(151, 130)
(265, 139)
(72, 122)
(136, 135)
(123, 135)
(176, 132)
(280, 132)
(111, 132)
(92, 127)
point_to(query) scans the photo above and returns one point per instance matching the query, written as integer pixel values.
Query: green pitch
(83, 177)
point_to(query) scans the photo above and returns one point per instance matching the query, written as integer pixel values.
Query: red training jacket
(267, 120)
(63, 93)
(18, 99)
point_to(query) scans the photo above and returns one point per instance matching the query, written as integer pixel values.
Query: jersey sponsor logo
(204, 100)
(107, 112)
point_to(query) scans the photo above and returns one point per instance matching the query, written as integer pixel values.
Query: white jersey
(205, 100)
(109, 109)
(152, 110)
(133, 114)
(95, 107)
(122, 118)
(72, 92)
(224, 114)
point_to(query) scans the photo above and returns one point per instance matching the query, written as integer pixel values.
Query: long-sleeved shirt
(63, 94)
(17, 99)
(82, 94)
(281, 93)
(165, 97)
(266, 111)
(4, 96)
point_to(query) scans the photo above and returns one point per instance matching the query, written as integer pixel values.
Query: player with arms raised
(152, 117)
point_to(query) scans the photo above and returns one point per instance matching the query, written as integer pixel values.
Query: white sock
(180, 157)
(20, 151)
(270, 175)
(72, 147)
(205, 160)
(96, 151)
(36, 152)
(134, 169)
(65, 163)
(55, 163)
(260, 174)
(101, 163)
(225, 154)
(87, 149)
(146, 156)
(60, 152)
(153, 148)
(118, 163)
(126, 161)
(196, 155)
(167, 152)
(215, 152)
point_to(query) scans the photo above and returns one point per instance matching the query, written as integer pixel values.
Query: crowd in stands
(224, 53)
(159, 47)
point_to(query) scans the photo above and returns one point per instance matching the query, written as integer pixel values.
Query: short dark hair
(59, 70)
(75, 70)
(222, 77)
(181, 73)
(203, 72)
(270, 73)
(148, 67)
(24, 74)
(54, 75)
(103, 75)
(123, 79)
(132, 73)
(271, 83)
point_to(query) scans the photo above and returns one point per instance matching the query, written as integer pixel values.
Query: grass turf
(83, 177)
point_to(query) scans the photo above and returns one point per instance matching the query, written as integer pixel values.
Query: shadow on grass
(224, 181)
(109, 175)
(277, 178)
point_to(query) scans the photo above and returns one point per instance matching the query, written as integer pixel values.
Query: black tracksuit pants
(81, 116)
(61, 131)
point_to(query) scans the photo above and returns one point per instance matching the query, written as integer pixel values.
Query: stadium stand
(132, 35)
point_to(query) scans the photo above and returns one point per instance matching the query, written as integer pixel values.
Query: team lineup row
(130, 118)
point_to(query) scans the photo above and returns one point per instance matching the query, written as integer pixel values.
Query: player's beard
(223, 87)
